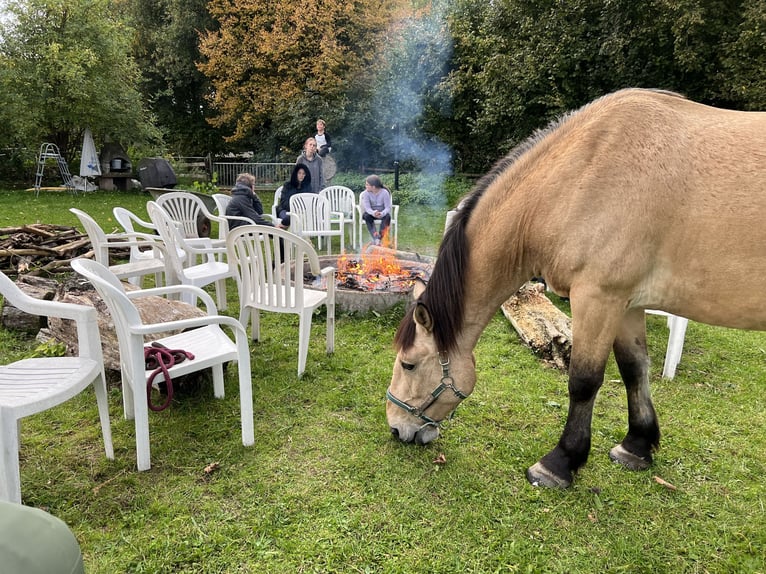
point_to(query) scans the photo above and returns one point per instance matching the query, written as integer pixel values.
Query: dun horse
(639, 200)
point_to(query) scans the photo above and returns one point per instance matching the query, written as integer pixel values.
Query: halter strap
(446, 382)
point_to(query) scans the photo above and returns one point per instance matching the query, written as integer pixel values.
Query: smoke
(416, 58)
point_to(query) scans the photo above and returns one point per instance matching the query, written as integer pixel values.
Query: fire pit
(375, 280)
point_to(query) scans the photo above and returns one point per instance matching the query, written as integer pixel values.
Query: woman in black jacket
(300, 182)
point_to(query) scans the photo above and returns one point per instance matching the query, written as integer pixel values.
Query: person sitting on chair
(245, 202)
(376, 206)
(300, 182)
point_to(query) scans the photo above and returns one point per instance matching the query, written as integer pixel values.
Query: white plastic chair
(134, 269)
(677, 327)
(270, 264)
(201, 336)
(197, 274)
(362, 226)
(342, 200)
(31, 386)
(187, 210)
(275, 205)
(316, 219)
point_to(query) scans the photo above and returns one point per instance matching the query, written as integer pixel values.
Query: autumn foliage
(268, 55)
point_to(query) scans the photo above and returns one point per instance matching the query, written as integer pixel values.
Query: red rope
(160, 358)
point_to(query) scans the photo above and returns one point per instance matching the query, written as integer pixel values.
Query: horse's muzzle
(420, 435)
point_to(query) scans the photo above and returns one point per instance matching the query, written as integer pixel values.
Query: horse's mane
(444, 295)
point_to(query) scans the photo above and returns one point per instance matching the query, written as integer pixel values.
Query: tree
(518, 64)
(166, 49)
(65, 65)
(272, 60)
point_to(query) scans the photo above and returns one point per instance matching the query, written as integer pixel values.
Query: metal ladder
(51, 151)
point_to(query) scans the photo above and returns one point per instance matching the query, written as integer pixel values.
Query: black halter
(446, 383)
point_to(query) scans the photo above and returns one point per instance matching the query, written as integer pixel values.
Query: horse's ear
(417, 288)
(423, 317)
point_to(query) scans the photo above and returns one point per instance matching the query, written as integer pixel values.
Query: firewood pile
(41, 248)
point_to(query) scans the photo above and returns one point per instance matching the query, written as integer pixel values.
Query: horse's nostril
(395, 432)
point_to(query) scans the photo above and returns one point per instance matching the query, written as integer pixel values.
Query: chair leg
(675, 348)
(330, 345)
(245, 389)
(99, 386)
(304, 334)
(127, 396)
(255, 320)
(10, 477)
(218, 390)
(220, 291)
(143, 450)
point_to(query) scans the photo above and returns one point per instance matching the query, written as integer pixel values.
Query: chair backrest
(171, 237)
(221, 202)
(183, 208)
(126, 219)
(124, 313)
(98, 239)
(341, 199)
(275, 205)
(270, 266)
(313, 211)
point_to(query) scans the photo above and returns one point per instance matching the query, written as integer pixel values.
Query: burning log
(540, 324)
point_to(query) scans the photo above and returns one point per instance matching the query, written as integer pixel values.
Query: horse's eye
(407, 366)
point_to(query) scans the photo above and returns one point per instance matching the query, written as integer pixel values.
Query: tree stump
(540, 324)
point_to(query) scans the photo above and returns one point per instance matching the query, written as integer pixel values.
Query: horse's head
(428, 383)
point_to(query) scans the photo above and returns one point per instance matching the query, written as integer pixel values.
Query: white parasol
(89, 163)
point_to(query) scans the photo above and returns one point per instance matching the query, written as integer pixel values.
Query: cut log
(541, 325)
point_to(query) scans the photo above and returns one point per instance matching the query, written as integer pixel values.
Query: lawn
(327, 489)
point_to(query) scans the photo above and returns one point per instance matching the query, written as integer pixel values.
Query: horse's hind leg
(635, 450)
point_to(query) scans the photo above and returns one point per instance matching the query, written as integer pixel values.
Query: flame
(369, 270)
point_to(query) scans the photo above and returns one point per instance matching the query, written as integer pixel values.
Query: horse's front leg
(593, 332)
(635, 450)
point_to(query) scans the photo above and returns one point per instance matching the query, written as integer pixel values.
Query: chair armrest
(85, 317)
(210, 307)
(328, 274)
(195, 322)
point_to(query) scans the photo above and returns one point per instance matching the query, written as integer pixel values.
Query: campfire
(376, 279)
(377, 271)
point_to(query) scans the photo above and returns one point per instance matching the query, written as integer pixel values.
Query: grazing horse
(639, 200)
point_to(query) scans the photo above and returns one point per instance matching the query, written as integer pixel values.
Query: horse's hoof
(538, 475)
(628, 459)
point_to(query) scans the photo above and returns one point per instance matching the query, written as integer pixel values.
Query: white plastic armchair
(31, 386)
(316, 219)
(134, 270)
(362, 226)
(202, 336)
(270, 264)
(342, 200)
(209, 271)
(188, 210)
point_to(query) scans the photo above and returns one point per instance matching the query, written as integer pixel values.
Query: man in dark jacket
(245, 203)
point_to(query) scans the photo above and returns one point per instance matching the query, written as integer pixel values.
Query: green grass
(326, 488)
